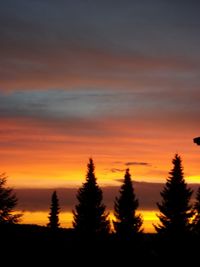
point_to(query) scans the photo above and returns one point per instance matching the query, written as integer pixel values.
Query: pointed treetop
(91, 165)
(127, 174)
(176, 159)
(90, 170)
(177, 170)
(127, 179)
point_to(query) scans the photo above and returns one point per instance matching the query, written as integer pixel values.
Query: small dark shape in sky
(137, 163)
(197, 141)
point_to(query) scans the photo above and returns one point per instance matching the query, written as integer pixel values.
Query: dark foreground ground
(31, 245)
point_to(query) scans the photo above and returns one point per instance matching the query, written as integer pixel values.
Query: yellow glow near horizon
(41, 218)
(149, 218)
(193, 179)
(65, 218)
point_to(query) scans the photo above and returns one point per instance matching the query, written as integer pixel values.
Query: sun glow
(41, 218)
(66, 218)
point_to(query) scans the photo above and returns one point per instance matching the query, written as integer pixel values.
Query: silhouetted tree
(175, 208)
(8, 202)
(127, 223)
(90, 218)
(196, 220)
(54, 212)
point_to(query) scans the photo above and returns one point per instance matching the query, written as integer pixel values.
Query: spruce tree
(196, 210)
(54, 212)
(8, 202)
(175, 208)
(90, 218)
(127, 223)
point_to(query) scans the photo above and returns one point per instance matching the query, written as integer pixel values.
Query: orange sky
(118, 83)
(41, 155)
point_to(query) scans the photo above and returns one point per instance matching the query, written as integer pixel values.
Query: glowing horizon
(66, 218)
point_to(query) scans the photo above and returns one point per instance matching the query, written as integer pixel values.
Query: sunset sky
(118, 81)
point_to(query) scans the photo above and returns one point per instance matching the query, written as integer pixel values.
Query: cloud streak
(39, 199)
(135, 163)
(115, 170)
(60, 105)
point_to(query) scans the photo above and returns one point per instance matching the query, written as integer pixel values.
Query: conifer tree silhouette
(175, 208)
(90, 218)
(8, 202)
(127, 223)
(196, 220)
(54, 212)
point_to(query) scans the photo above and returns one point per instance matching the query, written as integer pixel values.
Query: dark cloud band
(39, 199)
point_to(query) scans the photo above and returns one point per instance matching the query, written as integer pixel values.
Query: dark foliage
(175, 208)
(37, 244)
(90, 218)
(54, 212)
(127, 223)
(196, 220)
(8, 202)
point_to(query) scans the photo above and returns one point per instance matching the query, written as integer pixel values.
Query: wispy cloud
(115, 170)
(135, 163)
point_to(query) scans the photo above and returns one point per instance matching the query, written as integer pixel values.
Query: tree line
(178, 217)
